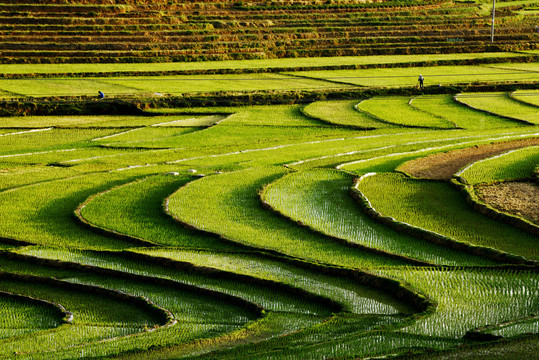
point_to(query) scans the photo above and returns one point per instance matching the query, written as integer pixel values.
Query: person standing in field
(420, 81)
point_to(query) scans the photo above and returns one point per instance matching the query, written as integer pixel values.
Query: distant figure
(420, 81)
(101, 95)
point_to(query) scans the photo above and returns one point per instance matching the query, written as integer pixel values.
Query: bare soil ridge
(443, 166)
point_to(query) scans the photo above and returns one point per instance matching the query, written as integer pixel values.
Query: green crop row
(164, 85)
(435, 75)
(297, 81)
(47, 218)
(266, 65)
(516, 164)
(303, 196)
(243, 296)
(530, 97)
(21, 315)
(400, 113)
(483, 297)
(95, 316)
(501, 104)
(191, 320)
(437, 207)
(342, 113)
(446, 107)
(242, 64)
(235, 194)
(366, 322)
(131, 208)
(311, 278)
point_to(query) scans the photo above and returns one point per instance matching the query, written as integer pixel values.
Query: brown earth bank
(513, 197)
(443, 166)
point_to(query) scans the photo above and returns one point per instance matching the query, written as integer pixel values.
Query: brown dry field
(443, 166)
(517, 198)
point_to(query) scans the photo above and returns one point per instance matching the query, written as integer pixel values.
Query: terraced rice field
(162, 31)
(285, 231)
(172, 82)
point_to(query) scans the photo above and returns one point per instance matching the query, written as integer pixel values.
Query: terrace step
(227, 29)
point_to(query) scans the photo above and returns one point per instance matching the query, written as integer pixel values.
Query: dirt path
(442, 166)
(517, 198)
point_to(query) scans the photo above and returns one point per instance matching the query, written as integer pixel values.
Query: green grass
(46, 343)
(340, 288)
(303, 80)
(87, 308)
(531, 67)
(355, 297)
(199, 315)
(213, 83)
(526, 326)
(250, 288)
(158, 86)
(196, 121)
(502, 350)
(273, 115)
(42, 213)
(484, 296)
(52, 159)
(95, 317)
(248, 127)
(63, 87)
(145, 137)
(130, 216)
(438, 207)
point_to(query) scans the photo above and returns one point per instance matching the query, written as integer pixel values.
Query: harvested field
(517, 198)
(444, 165)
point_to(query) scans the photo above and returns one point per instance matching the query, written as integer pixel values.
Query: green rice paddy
(434, 206)
(513, 165)
(261, 231)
